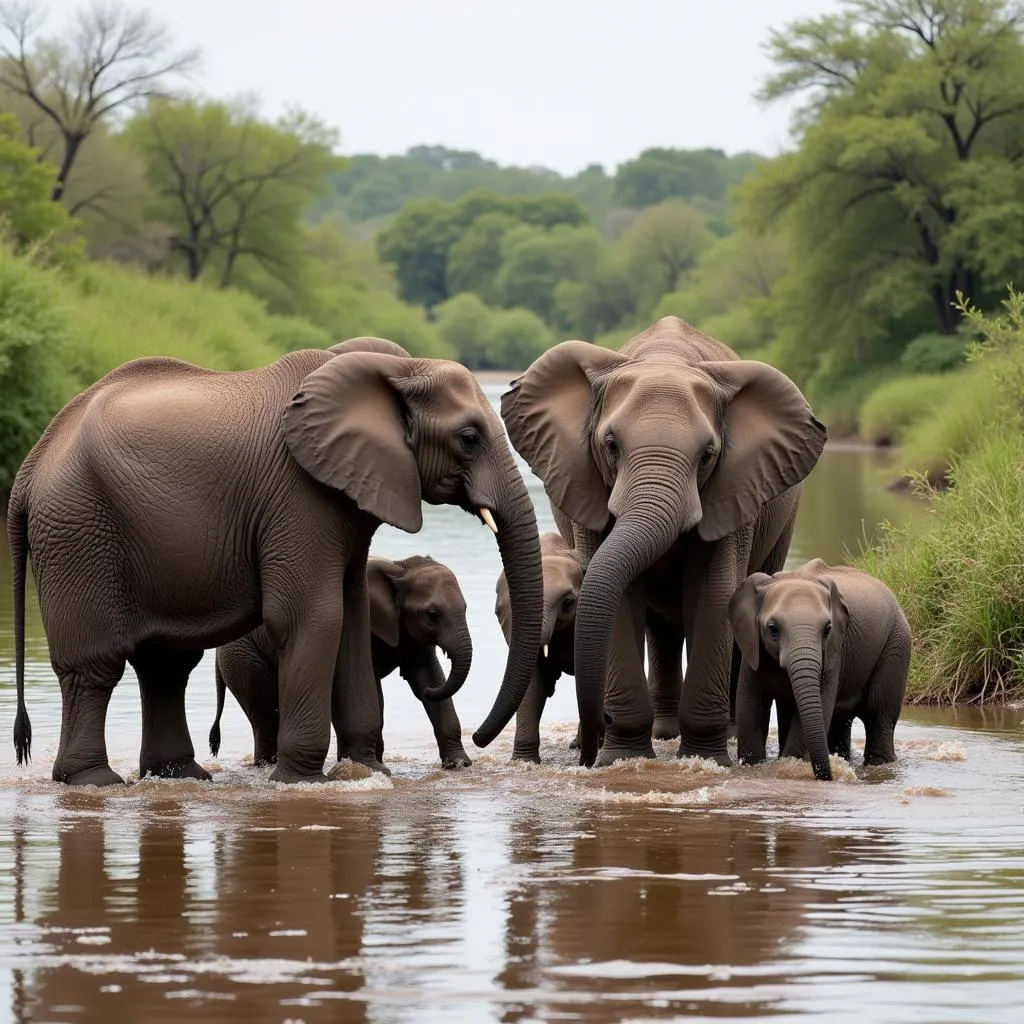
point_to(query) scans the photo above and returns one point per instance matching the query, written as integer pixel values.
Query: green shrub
(934, 353)
(837, 400)
(961, 579)
(893, 407)
(291, 333)
(968, 412)
(34, 380)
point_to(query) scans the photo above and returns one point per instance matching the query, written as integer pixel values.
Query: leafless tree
(109, 59)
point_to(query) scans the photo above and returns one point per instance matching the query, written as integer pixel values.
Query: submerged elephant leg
(883, 698)
(839, 734)
(167, 749)
(447, 732)
(626, 697)
(82, 753)
(357, 709)
(665, 675)
(526, 746)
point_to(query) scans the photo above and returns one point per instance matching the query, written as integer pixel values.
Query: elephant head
(420, 600)
(563, 570)
(799, 623)
(392, 431)
(646, 445)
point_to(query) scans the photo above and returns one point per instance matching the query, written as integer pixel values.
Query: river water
(662, 890)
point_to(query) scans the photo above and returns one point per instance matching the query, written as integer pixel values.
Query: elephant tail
(215, 728)
(17, 530)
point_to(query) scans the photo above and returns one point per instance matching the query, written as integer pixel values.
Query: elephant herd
(170, 509)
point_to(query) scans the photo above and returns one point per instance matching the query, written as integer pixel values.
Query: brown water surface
(662, 890)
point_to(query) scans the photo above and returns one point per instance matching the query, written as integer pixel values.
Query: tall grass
(961, 578)
(892, 409)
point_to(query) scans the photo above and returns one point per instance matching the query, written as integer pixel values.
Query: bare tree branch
(111, 58)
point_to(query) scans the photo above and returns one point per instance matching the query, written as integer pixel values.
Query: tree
(535, 260)
(604, 300)
(233, 187)
(416, 242)
(111, 60)
(515, 338)
(911, 153)
(660, 174)
(475, 259)
(463, 323)
(664, 242)
(26, 211)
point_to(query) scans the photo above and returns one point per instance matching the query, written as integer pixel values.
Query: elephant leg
(627, 700)
(253, 683)
(574, 743)
(447, 732)
(167, 749)
(665, 675)
(380, 737)
(753, 716)
(883, 698)
(358, 701)
(82, 752)
(734, 682)
(839, 734)
(785, 713)
(526, 746)
(704, 708)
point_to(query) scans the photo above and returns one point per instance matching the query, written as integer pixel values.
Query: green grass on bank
(60, 330)
(960, 577)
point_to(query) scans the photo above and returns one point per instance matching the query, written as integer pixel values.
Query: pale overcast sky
(562, 83)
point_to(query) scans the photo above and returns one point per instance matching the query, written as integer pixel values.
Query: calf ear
(743, 618)
(840, 620)
(381, 576)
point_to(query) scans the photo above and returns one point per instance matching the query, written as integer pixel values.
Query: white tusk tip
(488, 518)
(545, 650)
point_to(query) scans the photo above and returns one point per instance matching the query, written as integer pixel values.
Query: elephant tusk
(488, 518)
(545, 650)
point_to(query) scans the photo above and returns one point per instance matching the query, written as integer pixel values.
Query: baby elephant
(829, 643)
(563, 577)
(416, 605)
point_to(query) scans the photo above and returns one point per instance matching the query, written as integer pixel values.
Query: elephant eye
(773, 630)
(707, 455)
(611, 446)
(828, 628)
(433, 614)
(469, 438)
(568, 601)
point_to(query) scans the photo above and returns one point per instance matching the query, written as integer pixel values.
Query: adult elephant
(170, 508)
(683, 463)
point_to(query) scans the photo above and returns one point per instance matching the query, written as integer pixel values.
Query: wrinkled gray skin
(169, 509)
(416, 606)
(563, 570)
(682, 462)
(828, 644)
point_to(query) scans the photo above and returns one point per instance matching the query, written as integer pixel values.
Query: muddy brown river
(648, 891)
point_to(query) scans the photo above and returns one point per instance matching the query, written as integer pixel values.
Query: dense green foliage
(961, 579)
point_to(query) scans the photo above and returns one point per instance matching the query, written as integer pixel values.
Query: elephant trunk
(644, 531)
(519, 545)
(458, 645)
(803, 664)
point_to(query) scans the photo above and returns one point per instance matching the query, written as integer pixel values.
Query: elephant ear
(381, 575)
(346, 428)
(369, 344)
(743, 617)
(546, 412)
(771, 441)
(840, 620)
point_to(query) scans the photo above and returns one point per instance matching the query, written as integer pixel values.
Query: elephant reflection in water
(267, 874)
(601, 899)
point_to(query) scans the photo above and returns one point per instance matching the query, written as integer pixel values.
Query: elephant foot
(720, 755)
(176, 770)
(372, 763)
(610, 754)
(459, 759)
(264, 760)
(666, 728)
(102, 775)
(530, 755)
(289, 775)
